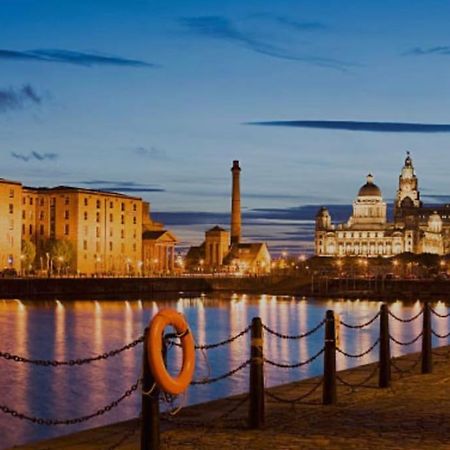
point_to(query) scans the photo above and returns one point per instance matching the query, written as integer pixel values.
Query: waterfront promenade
(412, 414)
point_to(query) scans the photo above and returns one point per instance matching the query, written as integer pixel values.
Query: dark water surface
(78, 329)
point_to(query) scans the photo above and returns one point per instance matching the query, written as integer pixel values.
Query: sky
(156, 98)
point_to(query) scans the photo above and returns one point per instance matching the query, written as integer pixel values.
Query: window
(110, 246)
(110, 217)
(11, 208)
(122, 219)
(97, 232)
(122, 247)
(24, 214)
(66, 214)
(84, 245)
(30, 229)
(11, 193)
(66, 229)
(111, 205)
(86, 201)
(23, 228)
(24, 200)
(98, 204)
(97, 247)
(41, 229)
(122, 206)
(134, 220)
(134, 247)
(41, 202)
(66, 200)
(134, 207)
(122, 234)
(110, 232)
(31, 200)
(85, 215)
(97, 218)
(41, 215)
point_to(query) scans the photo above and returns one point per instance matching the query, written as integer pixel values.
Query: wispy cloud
(290, 23)
(120, 186)
(34, 156)
(350, 125)
(72, 57)
(150, 152)
(221, 28)
(11, 98)
(439, 50)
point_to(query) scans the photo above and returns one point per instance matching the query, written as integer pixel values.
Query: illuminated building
(102, 231)
(224, 251)
(368, 233)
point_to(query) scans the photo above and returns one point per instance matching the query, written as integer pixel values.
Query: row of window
(67, 201)
(110, 246)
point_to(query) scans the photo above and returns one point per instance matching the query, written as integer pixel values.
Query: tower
(236, 204)
(408, 195)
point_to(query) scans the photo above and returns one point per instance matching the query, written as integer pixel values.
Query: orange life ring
(167, 383)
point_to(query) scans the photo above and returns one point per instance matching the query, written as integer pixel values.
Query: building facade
(415, 228)
(74, 230)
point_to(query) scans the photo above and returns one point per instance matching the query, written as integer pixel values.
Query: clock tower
(408, 195)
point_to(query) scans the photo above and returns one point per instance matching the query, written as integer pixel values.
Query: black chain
(359, 355)
(440, 336)
(127, 435)
(226, 341)
(298, 336)
(206, 423)
(299, 364)
(409, 370)
(347, 325)
(71, 362)
(297, 399)
(168, 338)
(53, 422)
(361, 383)
(442, 316)
(221, 377)
(408, 342)
(405, 320)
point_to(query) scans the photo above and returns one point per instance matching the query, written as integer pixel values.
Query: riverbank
(413, 414)
(125, 288)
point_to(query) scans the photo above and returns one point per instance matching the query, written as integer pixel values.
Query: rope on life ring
(166, 382)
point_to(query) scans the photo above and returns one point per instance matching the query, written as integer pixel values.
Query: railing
(256, 397)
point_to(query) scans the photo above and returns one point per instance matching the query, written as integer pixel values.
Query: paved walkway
(413, 414)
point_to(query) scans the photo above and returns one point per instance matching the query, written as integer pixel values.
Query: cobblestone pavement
(413, 414)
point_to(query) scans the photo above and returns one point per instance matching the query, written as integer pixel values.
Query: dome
(369, 189)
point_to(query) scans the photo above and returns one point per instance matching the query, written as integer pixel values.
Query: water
(77, 329)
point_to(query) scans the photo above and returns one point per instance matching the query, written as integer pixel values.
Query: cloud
(439, 50)
(437, 197)
(35, 156)
(299, 25)
(72, 57)
(11, 99)
(120, 186)
(151, 153)
(221, 28)
(350, 125)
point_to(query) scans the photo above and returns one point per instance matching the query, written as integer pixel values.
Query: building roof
(217, 229)
(157, 235)
(369, 189)
(244, 253)
(4, 181)
(72, 189)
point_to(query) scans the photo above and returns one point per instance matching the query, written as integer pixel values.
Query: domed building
(368, 233)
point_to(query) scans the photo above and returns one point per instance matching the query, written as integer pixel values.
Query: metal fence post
(427, 362)
(384, 376)
(150, 426)
(256, 408)
(329, 395)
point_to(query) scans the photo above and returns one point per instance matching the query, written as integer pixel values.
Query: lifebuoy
(165, 381)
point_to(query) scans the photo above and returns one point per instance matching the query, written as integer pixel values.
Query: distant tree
(28, 254)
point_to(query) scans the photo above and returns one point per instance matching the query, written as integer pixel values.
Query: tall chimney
(236, 204)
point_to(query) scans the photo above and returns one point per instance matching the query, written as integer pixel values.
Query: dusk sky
(156, 98)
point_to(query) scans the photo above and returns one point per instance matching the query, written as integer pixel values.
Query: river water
(65, 330)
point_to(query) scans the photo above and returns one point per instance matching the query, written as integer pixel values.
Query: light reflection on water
(77, 329)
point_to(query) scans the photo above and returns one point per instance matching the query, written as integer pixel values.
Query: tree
(60, 252)
(28, 254)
